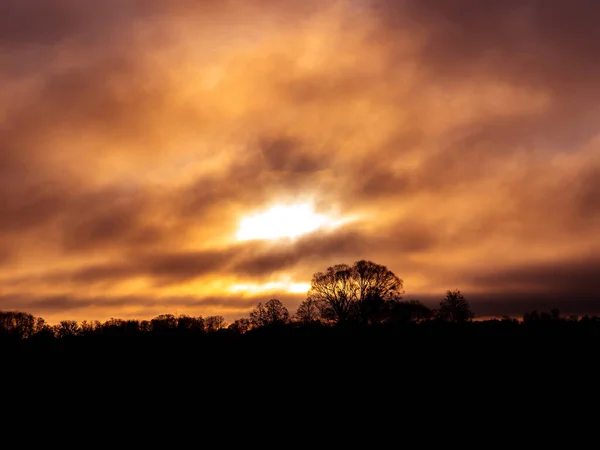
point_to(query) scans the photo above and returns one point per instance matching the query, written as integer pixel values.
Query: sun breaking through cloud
(283, 221)
(146, 147)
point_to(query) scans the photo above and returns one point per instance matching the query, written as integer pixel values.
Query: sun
(285, 284)
(283, 221)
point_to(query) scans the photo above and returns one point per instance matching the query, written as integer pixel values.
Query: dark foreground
(403, 371)
(503, 345)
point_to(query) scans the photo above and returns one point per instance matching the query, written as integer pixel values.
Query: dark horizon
(485, 307)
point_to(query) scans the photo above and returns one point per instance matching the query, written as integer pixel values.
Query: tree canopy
(360, 291)
(272, 312)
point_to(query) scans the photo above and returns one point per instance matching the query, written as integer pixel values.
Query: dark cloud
(101, 273)
(252, 258)
(77, 220)
(308, 249)
(47, 22)
(163, 268)
(548, 46)
(69, 304)
(178, 267)
(529, 40)
(588, 193)
(109, 100)
(574, 277)
(51, 22)
(286, 154)
(110, 218)
(30, 208)
(240, 184)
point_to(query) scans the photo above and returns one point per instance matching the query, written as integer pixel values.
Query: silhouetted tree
(362, 291)
(454, 308)
(132, 326)
(17, 324)
(272, 312)
(40, 327)
(240, 326)
(334, 291)
(378, 288)
(114, 326)
(411, 311)
(86, 328)
(66, 328)
(531, 317)
(308, 312)
(190, 324)
(163, 323)
(214, 323)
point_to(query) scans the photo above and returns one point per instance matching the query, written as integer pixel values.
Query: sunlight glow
(273, 286)
(288, 221)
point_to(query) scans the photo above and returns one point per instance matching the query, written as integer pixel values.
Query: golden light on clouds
(215, 153)
(272, 287)
(284, 221)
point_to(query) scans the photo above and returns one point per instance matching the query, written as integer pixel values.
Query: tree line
(358, 296)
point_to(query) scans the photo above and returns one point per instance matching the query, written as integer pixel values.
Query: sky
(199, 157)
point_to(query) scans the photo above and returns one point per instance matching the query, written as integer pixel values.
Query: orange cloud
(135, 136)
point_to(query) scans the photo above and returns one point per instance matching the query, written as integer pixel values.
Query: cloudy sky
(457, 142)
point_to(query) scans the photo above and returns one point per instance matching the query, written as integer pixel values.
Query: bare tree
(87, 328)
(362, 290)
(240, 326)
(17, 324)
(164, 323)
(214, 323)
(190, 323)
(67, 328)
(334, 291)
(375, 280)
(378, 289)
(272, 312)
(42, 328)
(308, 312)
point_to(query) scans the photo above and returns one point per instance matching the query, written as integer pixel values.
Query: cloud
(135, 135)
(68, 307)
(560, 278)
(521, 33)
